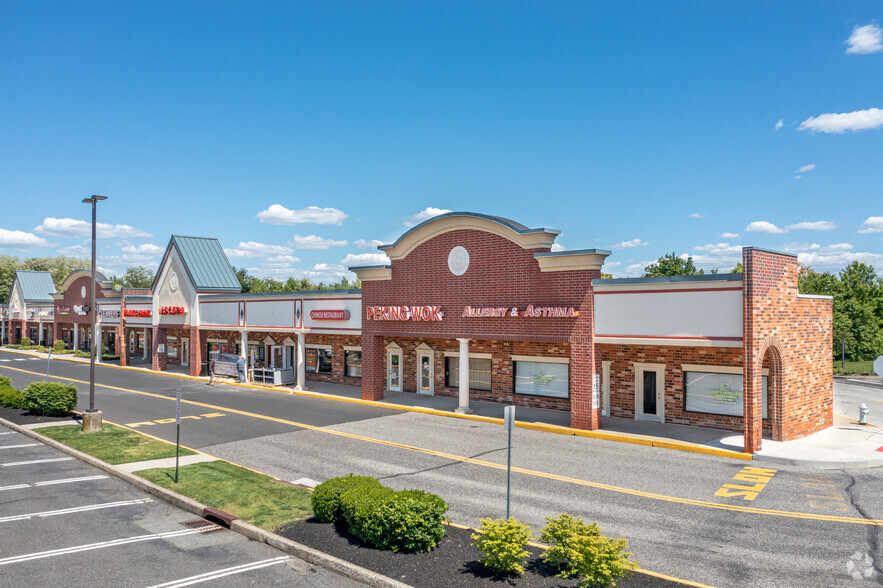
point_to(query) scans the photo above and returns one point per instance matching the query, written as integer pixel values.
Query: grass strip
(861, 368)
(113, 445)
(255, 498)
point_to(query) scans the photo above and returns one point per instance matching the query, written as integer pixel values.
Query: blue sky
(303, 134)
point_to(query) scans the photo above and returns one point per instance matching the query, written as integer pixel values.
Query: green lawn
(114, 445)
(864, 368)
(255, 498)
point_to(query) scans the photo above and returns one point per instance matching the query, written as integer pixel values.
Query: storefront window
(318, 360)
(479, 373)
(354, 364)
(718, 393)
(172, 347)
(216, 349)
(541, 378)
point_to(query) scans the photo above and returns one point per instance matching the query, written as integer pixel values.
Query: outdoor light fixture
(92, 417)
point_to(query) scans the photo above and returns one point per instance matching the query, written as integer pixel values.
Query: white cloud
(780, 124)
(805, 168)
(792, 247)
(764, 227)
(21, 239)
(248, 249)
(864, 40)
(72, 228)
(812, 226)
(874, 224)
(730, 235)
(277, 214)
(372, 244)
(354, 259)
(721, 256)
(76, 251)
(636, 269)
(425, 214)
(283, 259)
(697, 215)
(145, 249)
(628, 244)
(860, 120)
(557, 247)
(835, 259)
(316, 242)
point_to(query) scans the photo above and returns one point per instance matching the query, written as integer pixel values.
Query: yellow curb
(545, 428)
(637, 571)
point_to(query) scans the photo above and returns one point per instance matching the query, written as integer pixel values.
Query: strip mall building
(479, 307)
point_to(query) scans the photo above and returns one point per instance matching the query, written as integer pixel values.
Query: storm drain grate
(203, 526)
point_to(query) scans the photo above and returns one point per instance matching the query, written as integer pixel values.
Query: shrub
(10, 397)
(49, 398)
(5, 381)
(25, 342)
(41, 349)
(80, 353)
(577, 548)
(410, 520)
(501, 543)
(58, 346)
(357, 508)
(326, 496)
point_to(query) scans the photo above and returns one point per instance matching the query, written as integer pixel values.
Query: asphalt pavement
(706, 519)
(65, 523)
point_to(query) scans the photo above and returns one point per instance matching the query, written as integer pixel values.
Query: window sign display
(318, 360)
(354, 364)
(718, 393)
(172, 350)
(541, 379)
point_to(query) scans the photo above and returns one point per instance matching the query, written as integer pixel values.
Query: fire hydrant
(863, 414)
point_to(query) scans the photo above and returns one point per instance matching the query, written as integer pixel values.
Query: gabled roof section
(76, 274)
(453, 221)
(206, 264)
(35, 286)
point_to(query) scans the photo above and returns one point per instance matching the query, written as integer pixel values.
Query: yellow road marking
(496, 466)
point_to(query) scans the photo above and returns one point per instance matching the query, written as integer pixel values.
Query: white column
(98, 342)
(39, 330)
(144, 350)
(3, 331)
(76, 336)
(243, 347)
(464, 377)
(301, 362)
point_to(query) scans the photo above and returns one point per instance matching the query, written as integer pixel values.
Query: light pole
(92, 417)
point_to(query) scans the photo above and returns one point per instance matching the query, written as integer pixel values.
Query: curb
(247, 530)
(545, 428)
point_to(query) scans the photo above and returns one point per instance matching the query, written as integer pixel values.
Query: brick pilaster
(373, 367)
(159, 359)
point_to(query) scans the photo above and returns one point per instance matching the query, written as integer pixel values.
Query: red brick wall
(622, 380)
(158, 359)
(793, 337)
(502, 368)
(501, 274)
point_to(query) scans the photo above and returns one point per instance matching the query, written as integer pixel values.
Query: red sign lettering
(404, 313)
(330, 315)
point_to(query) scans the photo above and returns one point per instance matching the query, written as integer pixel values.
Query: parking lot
(63, 522)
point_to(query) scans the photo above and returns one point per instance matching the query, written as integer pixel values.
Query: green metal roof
(35, 286)
(206, 264)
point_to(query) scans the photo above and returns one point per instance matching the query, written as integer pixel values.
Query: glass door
(649, 397)
(185, 352)
(424, 367)
(394, 371)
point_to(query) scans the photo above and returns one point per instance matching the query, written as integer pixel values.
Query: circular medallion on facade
(458, 260)
(83, 292)
(173, 281)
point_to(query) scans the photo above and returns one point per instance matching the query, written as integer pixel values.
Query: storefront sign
(64, 310)
(530, 311)
(46, 313)
(81, 310)
(404, 313)
(172, 310)
(109, 313)
(330, 315)
(136, 312)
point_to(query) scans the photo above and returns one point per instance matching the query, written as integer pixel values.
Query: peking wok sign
(404, 313)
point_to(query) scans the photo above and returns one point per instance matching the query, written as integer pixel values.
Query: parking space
(65, 522)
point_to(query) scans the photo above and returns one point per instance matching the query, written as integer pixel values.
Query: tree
(738, 269)
(58, 265)
(135, 277)
(671, 265)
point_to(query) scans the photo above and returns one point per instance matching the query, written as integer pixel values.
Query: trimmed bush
(358, 509)
(58, 346)
(49, 398)
(4, 381)
(326, 496)
(80, 353)
(410, 520)
(577, 548)
(10, 397)
(501, 543)
(25, 342)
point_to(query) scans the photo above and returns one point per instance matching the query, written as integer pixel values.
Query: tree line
(858, 301)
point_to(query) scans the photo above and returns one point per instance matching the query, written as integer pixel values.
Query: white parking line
(18, 446)
(221, 573)
(7, 433)
(52, 482)
(52, 513)
(91, 546)
(18, 463)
